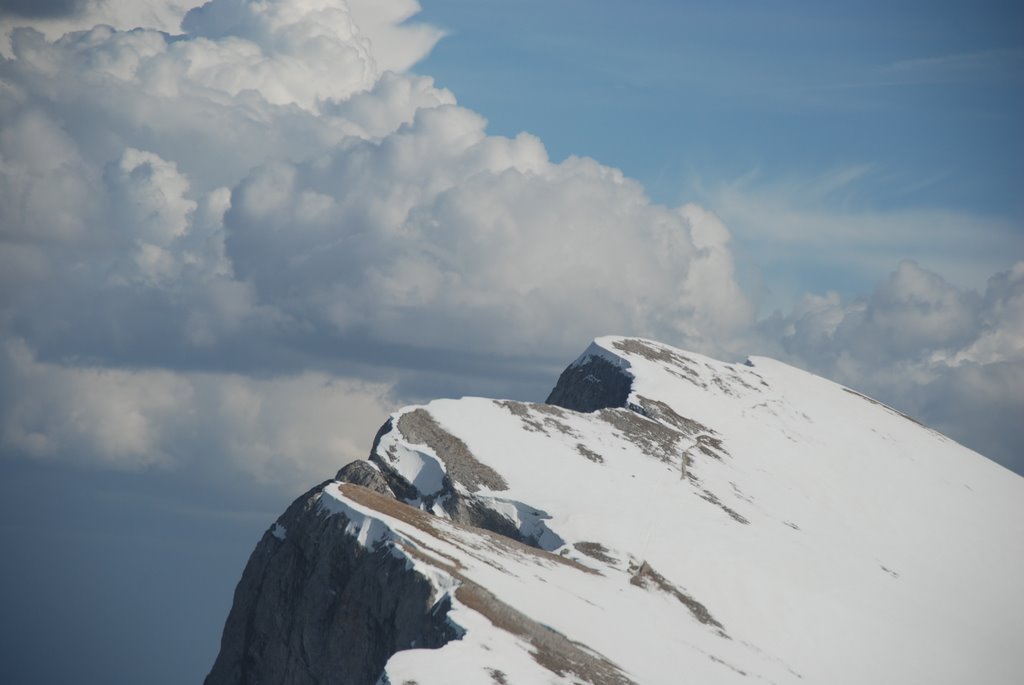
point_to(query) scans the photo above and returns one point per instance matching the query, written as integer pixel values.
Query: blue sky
(930, 92)
(228, 251)
(900, 108)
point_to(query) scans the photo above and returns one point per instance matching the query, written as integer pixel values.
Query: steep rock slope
(664, 518)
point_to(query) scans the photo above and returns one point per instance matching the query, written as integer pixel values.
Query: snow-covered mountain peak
(665, 513)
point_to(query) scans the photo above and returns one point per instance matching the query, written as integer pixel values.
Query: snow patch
(528, 520)
(418, 464)
(368, 530)
(602, 349)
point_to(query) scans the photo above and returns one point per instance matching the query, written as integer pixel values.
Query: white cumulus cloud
(440, 228)
(289, 430)
(949, 356)
(219, 205)
(200, 195)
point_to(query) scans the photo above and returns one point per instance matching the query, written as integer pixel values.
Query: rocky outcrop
(592, 384)
(459, 504)
(315, 606)
(364, 473)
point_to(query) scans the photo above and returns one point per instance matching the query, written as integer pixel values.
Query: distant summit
(662, 518)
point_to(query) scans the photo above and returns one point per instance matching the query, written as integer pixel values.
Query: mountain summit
(662, 518)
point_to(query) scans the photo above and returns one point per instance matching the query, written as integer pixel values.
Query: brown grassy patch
(419, 427)
(660, 411)
(646, 577)
(595, 550)
(539, 418)
(654, 438)
(551, 649)
(589, 453)
(709, 496)
(677, 364)
(431, 525)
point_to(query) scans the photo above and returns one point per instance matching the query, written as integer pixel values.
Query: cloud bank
(950, 356)
(232, 239)
(200, 220)
(213, 425)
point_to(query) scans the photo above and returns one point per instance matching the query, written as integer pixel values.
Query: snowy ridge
(417, 464)
(364, 525)
(730, 522)
(601, 348)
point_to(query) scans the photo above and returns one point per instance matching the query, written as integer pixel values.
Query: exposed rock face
(418, 426)
(594, 384)
(314, 606)
(460, 505)
(363, 473)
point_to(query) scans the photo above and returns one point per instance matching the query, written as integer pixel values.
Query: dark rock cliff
(314, 606)
(461, 466)
(594, 384)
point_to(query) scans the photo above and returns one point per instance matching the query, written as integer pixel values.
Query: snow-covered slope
(702, 522)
